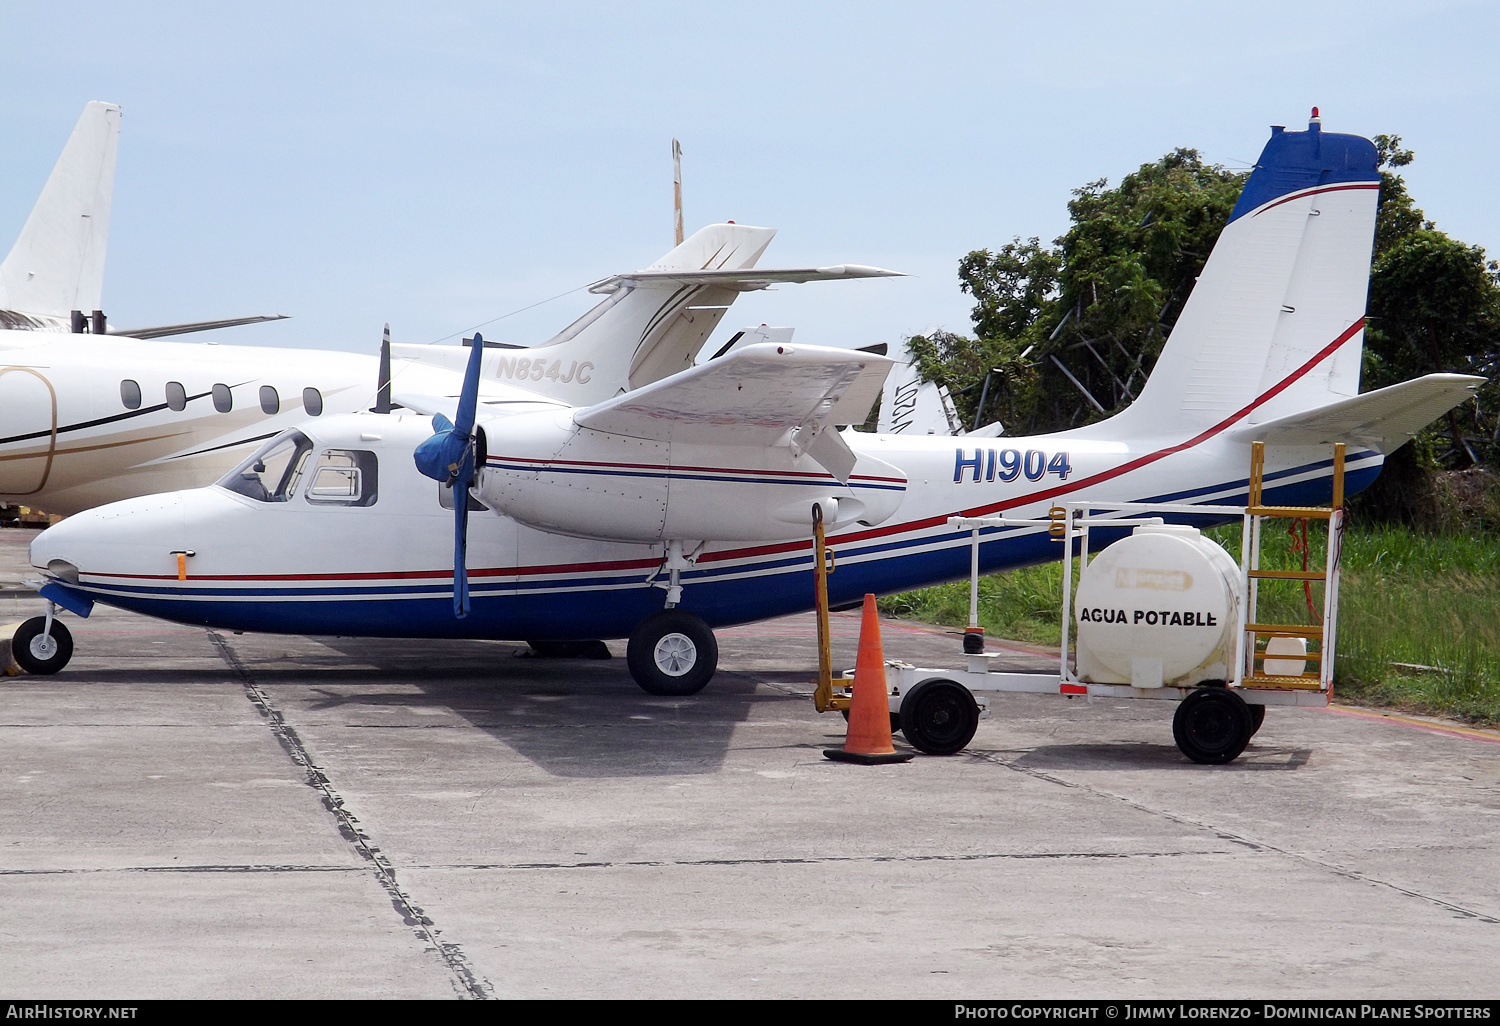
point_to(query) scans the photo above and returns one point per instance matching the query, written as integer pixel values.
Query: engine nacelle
(545, 471)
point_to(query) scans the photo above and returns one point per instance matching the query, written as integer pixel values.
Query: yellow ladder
(1257, 634)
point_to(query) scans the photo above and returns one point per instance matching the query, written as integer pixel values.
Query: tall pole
(677, 188)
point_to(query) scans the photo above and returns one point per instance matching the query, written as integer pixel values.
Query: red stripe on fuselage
(1048, 493)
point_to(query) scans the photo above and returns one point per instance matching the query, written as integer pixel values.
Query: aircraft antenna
(677, 188)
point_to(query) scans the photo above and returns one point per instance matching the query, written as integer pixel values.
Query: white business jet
(89, 414)
(687, 503)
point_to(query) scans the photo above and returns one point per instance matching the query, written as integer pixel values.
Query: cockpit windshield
(271, 474)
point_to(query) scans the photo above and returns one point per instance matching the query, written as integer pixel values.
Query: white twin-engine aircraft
(687, 503)
(90, 414)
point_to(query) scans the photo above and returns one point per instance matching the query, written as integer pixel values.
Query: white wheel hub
(675, 654)
(43, 646)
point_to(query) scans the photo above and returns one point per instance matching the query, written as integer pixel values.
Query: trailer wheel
(1257, 717)
(40, 653)
(1212, 726)
(939, 717)
(672, 653)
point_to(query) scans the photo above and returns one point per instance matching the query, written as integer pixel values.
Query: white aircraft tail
(651, 326)
(1275, 323)
(57, 263)
(911, 406)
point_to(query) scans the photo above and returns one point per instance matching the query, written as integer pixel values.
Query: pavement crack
(1236, 838)
(831, 860)
(466, 979)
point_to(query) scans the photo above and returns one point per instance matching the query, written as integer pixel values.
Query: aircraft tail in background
(57, 264)
(1275, 323)
(650, 325)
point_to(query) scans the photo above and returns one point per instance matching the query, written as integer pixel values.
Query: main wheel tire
(41, 653)
(939, 717)
(1257, 717)
(1212, 726)
(672, 653)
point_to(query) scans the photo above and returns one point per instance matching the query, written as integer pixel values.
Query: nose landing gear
(42, 645)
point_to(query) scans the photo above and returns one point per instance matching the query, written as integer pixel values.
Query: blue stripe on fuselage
(611, 606)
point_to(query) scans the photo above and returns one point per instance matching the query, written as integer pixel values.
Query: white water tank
(1158, 607)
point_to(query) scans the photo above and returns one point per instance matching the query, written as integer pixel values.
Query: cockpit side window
(271, 475)
(343, 477)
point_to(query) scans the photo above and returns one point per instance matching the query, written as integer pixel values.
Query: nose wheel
(672, 653)
(40, 650)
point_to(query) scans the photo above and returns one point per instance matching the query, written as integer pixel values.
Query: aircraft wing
(754, 396)
(1383, 419)
(162, 331)
(746, 280)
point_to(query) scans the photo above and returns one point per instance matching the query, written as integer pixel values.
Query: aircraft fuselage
(370, 554)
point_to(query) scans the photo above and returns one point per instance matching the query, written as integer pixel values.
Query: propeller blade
(461, 485)
(448, 457)
(383, 391)
(468, 399)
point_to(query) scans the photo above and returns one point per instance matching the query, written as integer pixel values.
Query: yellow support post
(823, 697)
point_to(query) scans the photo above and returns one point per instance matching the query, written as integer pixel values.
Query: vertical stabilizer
(1275, 322)
(57, 263)
(644, 331)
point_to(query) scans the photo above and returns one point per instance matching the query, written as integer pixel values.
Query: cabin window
(223, 398)
(312, 402)
(176, 396)
(271, 475)
(445, 499)
(130, 394)
(343, 477)
(270, 402)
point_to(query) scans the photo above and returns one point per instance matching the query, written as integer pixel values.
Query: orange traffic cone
(869, 737)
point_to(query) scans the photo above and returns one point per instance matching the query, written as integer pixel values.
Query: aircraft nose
(120, 537)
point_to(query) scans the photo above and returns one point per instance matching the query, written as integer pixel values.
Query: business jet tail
(57, 263)
(650, 325)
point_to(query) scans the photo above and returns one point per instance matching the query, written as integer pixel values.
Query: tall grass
(1419, 615)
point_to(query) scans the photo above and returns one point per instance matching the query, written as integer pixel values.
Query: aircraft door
(28, 430)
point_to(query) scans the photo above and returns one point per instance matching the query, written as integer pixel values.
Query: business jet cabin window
(176, 396)
(343, 477)
(223, 398)
(130, 394)
(270, 402)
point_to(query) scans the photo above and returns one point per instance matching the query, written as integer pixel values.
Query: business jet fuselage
(88, 419)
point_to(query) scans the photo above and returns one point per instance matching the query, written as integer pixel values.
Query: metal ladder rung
(1302, 683)
(1292, 512)
(1290, 575)
(1292, 630)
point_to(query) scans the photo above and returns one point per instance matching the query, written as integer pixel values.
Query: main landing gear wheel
(38, 652)
(939, 717)
(1257, 717)
(1212, 726)
(672, 653)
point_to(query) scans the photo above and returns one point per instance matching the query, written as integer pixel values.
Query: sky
(447, 165)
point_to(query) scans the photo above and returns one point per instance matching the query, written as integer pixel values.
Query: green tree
(1074, 328)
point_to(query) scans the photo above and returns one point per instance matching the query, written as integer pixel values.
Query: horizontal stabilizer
(1384, 419)
(748, 280)
(753, 396)
(162, 331)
